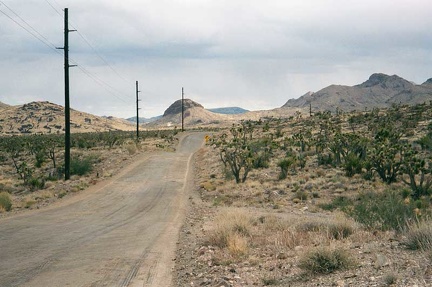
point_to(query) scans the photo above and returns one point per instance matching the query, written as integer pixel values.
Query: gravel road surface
(121, 232)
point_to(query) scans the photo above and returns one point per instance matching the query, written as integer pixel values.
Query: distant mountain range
(379, 91)
(144, 120)
(229, 111)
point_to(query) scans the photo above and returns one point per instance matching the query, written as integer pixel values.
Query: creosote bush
(5, 201)
(325, 260)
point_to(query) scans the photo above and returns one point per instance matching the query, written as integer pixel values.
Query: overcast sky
(255, 54)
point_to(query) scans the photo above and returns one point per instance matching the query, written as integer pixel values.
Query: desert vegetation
(346, 194)
(32, 166)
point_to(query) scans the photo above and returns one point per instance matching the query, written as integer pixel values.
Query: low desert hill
(48, 118)
(379, 91)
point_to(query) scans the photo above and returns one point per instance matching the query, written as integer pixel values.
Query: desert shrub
(131, 148)
(261, 160)
(381, 210)
(336, 229)
(339, 230)
(310, 226)
(5, 201)
(229, 225)
(325, 260)
(30, 203)
(340, 202)
(419, 235)
(284, 165)
(352, 165)
(80, 166)
(301, 195)
(325, 159)
(237, 245)
(270, 281)
(390, 279)
(36, 183)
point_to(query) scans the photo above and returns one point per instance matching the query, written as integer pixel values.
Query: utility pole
(67, 102)
(182, 105)
(137, 111)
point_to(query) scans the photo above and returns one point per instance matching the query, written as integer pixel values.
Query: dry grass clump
(336, 229)
(419, 236)
(237, 244)
(131, 148)
(5, 201)
(340, 229)
(325, 260)
(233, 228)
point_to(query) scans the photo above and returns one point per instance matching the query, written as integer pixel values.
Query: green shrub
(284, 166)
(325, 260)
(80, 166)
(352, 165)
(390, 279)
(340, 202)
(325, 159)
(300, 194)
(36, 183)
(383, 211)
(5, 201)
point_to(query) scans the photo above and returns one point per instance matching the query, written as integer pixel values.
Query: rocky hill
(3, 105)
(194, 115)
(48, 118)
(379, 91)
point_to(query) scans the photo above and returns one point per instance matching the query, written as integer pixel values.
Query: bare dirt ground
(119, 232)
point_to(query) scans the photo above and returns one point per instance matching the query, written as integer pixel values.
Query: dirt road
(121, 232)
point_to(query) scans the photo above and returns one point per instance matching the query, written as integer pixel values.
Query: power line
(91, 46)
(54, 8)
(100, 56)
(35, 34)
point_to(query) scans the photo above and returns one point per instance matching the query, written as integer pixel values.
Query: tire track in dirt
(122, 234)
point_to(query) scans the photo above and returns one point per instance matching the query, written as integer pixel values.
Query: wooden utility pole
(137, 111)
(182, 105)
(67, 102)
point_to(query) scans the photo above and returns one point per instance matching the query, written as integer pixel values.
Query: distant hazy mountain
(378, 91)
(144, 120)
(229, 111)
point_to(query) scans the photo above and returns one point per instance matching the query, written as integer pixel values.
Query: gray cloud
(249, 53)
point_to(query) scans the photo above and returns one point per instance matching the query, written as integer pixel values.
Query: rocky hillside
(3, 105)
(379, 91)
(194, 115)
(48, 118)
